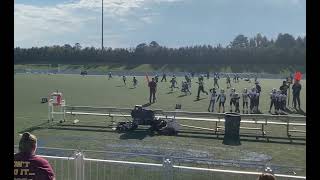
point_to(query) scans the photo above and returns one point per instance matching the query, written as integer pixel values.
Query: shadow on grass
(246, 137)
(182, 95)
(44, 125)
(75, 128)
(146, 105)
(288, 111)
(120, 85)
(198, 99)
(86, 126)
(170, 92)
(137, 134)
(300, 111)
(142, 133)
(261, 139)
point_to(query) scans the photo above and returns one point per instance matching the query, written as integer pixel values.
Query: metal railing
(79, 167)
(258, 119)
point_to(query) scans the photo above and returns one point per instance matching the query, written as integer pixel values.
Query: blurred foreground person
(27, 165)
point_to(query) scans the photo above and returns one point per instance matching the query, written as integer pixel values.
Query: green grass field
(92, 132)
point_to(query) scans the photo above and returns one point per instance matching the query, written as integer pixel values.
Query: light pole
(102, 25)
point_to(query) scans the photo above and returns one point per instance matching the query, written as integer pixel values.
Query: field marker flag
(297, 76)
(147, 77)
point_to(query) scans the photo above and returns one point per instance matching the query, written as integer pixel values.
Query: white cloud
(146, 19)
(42, 22)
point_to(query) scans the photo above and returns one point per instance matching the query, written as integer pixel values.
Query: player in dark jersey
(201, 88)
(109, 75)
(135, 82)
(156, 78)
(232, 102)
(228, 82)
(258, 90)
(27, 165)
(200, 78)
(124, 79)
(164, 77)
(234, 78)
(236, 99)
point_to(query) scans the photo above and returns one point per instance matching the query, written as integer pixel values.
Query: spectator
(27, 165)
(153, 87)
(258, 89)
(266, 176)
(296, 88)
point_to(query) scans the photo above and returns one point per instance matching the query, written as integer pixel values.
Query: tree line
(258, 50)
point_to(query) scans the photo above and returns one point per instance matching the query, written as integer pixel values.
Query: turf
(93, 133)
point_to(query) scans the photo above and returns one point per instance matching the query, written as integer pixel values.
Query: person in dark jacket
(258, 90)
(296, 88)
(153, 88)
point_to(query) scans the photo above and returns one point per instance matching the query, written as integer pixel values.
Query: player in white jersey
(252, 95)
(273, 97)
(278, 102)
(283, 102)
(221, 99)
(185, 88)
(215, 81)
(245, 100)
(212, 99)
(173, 83)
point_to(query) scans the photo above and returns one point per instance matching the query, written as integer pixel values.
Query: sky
(171, 23)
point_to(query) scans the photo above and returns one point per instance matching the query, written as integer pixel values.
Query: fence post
(167, 168)
(79, 166)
